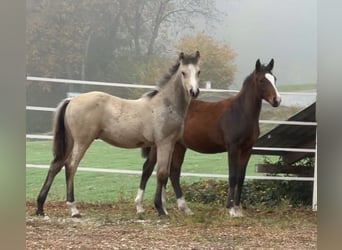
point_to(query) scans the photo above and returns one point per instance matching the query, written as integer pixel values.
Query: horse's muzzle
(276, 101)
(195, 93)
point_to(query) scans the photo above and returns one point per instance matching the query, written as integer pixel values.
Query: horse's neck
(177, 94)
(250, 102)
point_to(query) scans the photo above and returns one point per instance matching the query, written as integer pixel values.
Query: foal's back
(117, 121)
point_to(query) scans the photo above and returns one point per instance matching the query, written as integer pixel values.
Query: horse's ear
(270, 65)
(181, 56)
(257, 65)
(197, 54)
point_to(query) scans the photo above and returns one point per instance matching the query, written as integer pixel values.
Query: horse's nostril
(194, 93)
(276, 101)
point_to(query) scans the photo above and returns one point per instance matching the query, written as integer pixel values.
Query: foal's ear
(270, 65)
(197, 54)
(181, 56)
(257, 65)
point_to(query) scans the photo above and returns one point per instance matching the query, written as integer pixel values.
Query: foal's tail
(60, 139)
(145, 152)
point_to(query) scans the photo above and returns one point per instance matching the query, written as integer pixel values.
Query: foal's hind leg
(175, 171)
(146, 174)
(70, 171)
(54, 169)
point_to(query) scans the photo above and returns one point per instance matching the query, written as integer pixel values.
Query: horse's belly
(206, 148)
(126, 140)
(203, 144)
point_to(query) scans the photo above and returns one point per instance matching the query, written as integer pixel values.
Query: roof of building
(291, 136)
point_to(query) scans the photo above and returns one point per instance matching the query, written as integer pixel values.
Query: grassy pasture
(108, 187)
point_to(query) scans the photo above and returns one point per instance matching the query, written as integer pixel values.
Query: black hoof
(162, 213)
(76, 216)
(40, 213)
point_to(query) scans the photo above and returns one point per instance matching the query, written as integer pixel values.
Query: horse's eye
(199, 72)
(183, 73)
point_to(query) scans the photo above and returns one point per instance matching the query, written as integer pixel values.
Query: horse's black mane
(168, 75)
(152, 93)
(188, 59)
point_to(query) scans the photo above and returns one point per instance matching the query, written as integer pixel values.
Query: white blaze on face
(271, 79)
(193, 77)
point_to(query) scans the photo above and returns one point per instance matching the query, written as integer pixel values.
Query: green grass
(107, 187)
(102, 155)
(296, 87)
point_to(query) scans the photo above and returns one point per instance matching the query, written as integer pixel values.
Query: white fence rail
(125, 85)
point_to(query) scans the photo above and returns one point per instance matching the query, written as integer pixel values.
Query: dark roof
(291, 136)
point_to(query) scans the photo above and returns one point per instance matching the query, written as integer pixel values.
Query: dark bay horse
(230, 125)
(156, 119)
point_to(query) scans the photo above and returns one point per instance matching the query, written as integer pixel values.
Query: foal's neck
(250, 98)
(178, 93)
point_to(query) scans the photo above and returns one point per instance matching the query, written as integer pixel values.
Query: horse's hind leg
(54, 169)
(175, 171)
(70, 171)
(164, 155)
(146, 174)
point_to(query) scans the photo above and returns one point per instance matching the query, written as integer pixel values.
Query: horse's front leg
(234, 173)
(237, 170)
(241, 173)
(164, 153)
(146, 174)
(232, 180)
(175, 171)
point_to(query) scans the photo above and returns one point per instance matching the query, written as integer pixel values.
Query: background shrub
(255, 194)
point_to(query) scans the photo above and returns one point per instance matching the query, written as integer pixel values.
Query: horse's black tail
(145, 152)
(60, 139)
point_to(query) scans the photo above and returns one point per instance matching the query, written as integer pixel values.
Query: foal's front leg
(232, 204)
(164, 153)
(238, 161)
(176, 166)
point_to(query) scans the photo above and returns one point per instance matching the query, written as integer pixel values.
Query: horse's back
(213, 127)
(100, 115)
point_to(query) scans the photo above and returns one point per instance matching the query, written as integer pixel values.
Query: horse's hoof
(186, 210)
(162, 213)
(189, 212)
(40, 213)
(78, 215)
(140, 216)
(235, 212)
(140, 210)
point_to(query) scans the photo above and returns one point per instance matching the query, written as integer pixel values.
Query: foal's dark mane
(188, 59)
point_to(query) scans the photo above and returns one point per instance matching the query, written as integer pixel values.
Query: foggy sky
(285, 30)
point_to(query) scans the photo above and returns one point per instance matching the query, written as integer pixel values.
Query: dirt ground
(116, 226)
